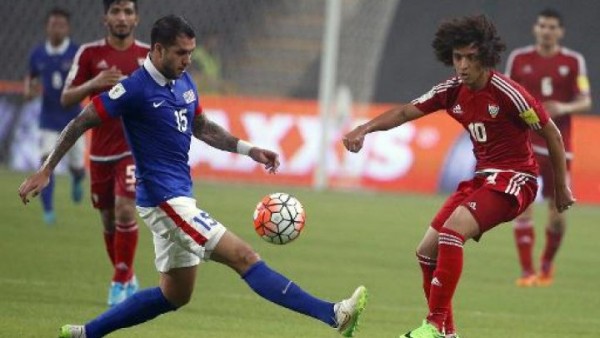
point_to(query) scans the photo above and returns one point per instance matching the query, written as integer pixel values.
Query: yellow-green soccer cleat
(426, 330)
(72, 331)
(348, 311)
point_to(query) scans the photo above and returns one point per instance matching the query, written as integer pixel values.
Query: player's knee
(426, 249)
(124, 211)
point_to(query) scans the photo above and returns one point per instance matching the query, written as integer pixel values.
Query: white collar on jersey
(155, 74)
(60, 49)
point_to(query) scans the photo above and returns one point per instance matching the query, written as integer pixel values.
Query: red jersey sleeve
(527, 108)
(80, 70)
(582, 83)
(435, 99)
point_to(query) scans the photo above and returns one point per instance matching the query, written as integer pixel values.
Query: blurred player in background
(49, 65)
(557, 77)
(98, 66)
(498, 114)
(160, 108)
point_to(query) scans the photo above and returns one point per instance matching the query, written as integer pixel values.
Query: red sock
(125, 244)
(427, 265)
(109, 242)
(553, 240)
(449, 323)
(446, 276)
(524, 238)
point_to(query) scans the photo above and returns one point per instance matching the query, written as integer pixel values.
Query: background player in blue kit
(160, 110)
(49, 64)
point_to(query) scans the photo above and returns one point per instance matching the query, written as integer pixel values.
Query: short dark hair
(551, 13)
(166, 30)
(58, 11)
(467, 30)
(108, 3)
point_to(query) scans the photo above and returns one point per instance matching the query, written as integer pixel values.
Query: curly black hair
(467, 30)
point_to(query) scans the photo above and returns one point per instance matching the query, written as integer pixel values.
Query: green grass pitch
(56, 275)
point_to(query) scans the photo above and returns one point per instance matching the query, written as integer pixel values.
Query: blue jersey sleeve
(120, 100)
(33, 68)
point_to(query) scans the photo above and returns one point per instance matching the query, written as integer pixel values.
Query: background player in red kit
(498, 114)
(97, 67)
(557, 77)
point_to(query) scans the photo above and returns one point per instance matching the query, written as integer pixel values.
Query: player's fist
(353, 141)
(33, 185)
(563, 199)
(107, 78)
(267, 157)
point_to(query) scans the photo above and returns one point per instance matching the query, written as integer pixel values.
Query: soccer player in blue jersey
(49, 64)
(160, 110)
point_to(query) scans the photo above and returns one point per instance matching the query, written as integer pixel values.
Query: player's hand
(563, 199)
(33, 185)
(353, 141)
(107, 78)
(267, 157)
(554, 108)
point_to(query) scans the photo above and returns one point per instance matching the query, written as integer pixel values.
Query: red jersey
(561, 77)
(498, 118)
(108, 139)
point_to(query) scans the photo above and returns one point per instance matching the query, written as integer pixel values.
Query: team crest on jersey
(189, 96)
(527, 69)
(117, 91)
(563, 70)
(493, 110)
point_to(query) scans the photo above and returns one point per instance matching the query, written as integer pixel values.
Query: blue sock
(47, 194)
(141, 307)
(278, 289)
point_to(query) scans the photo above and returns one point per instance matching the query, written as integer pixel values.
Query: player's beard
(121, 35)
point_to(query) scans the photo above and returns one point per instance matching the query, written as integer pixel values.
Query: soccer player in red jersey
(498, 114)
(98, 66)
(557, 77)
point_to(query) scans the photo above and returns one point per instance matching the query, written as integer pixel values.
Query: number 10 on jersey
(477, 130)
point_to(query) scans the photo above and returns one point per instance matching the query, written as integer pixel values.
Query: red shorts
(110, 179)
(547, 174)
(492, 199)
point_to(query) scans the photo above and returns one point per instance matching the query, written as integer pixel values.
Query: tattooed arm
(87, 119)
(213, 134)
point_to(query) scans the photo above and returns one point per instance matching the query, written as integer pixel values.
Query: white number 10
(477, 130)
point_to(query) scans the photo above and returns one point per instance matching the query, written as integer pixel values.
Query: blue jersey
(51, 65)
(157, 115)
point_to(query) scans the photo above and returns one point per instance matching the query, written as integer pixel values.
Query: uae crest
(493, 110)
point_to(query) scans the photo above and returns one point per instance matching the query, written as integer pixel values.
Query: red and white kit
(497, 118)
(112, 166)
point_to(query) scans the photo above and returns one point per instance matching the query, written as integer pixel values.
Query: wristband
(243, 147)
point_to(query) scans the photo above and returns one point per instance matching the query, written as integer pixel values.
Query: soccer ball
(279, 218)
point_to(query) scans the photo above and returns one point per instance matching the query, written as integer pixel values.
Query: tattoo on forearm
(87, 119)
(213, 134)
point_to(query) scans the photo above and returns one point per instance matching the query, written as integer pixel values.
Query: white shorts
(75, 155)
(183, 234)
